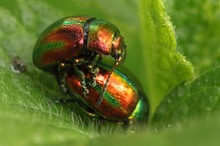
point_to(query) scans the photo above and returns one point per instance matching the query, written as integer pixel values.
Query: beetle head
(118, 48)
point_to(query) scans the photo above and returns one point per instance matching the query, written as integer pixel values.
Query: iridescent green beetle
(76, 41)
(123, 101)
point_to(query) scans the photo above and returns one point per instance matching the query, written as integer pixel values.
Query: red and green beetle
(71, 49)
(123, 100)
(76, 41)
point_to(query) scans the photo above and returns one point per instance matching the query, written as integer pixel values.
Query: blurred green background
(197, 31)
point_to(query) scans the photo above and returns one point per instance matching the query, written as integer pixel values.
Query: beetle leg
(88, 111)
(81, 76)
(93, 69)
(125, 125)
(64, 101)
(105, 85)
(61, 76)
(102, 92)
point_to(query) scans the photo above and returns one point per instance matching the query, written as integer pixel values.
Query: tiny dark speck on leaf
(17, 65)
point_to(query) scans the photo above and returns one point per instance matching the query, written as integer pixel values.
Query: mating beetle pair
(71, 49)
(75, 41)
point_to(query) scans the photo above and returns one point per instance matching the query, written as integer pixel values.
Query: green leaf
(165, 67)
(195, 100)
(27, 108)
(202, 133)
(197, 26)
(35, 128)
(28, 113)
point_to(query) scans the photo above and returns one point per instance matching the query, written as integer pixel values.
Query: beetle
(123, 100)
(75, 41)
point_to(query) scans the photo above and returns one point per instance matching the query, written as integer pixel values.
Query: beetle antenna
(105, 86)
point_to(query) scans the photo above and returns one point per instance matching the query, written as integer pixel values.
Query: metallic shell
(61, 41)
(122, 101)
(73, 37)
(101, 35)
